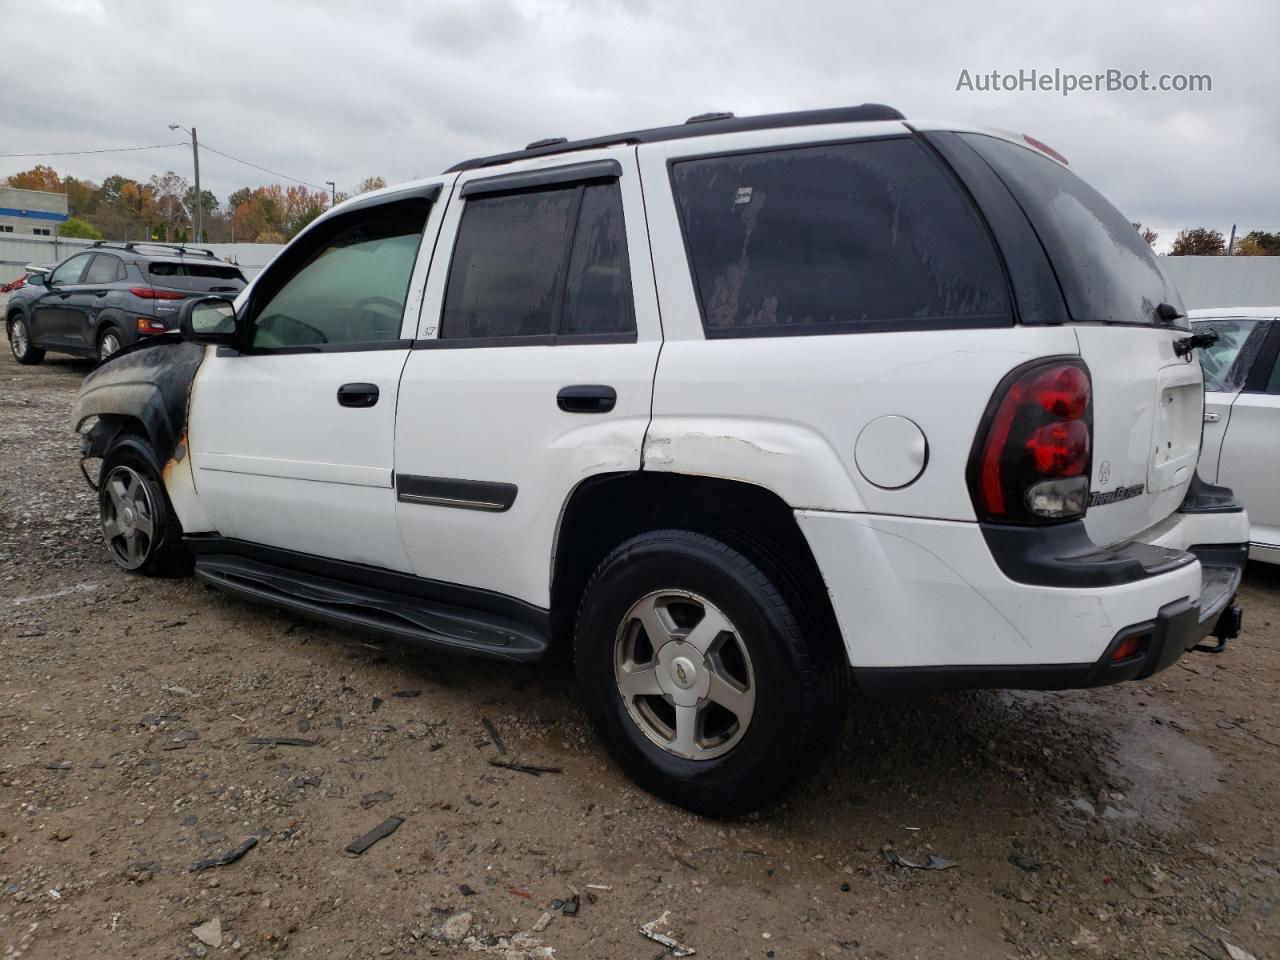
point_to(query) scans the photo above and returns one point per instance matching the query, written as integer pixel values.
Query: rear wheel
(142, 532)
(108, 342)
(24, 351)
(699, 676)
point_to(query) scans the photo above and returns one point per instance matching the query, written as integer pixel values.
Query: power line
(274, 173)
(76, 153)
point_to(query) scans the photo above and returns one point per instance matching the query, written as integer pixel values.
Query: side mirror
(37, 280)
(209, 320)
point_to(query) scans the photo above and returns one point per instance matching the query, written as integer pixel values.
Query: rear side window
(1106, 270)
(540, 263)
(104, 269)
(1223, 370)
(162, 268)
(864, 236)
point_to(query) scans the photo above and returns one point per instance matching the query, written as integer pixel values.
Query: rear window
(1106, 270)
(864, 236)
(210, 271)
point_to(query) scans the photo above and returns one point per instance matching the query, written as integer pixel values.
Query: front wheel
(24, 351)
(699, 676)
(141, 530)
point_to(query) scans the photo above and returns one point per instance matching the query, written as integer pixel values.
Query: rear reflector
(151, 325)
(1129, 647)
(150, 293)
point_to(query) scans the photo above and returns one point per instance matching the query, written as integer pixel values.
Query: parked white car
(1242, 415)
(727, 408)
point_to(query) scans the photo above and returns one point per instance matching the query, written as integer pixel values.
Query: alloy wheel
(18, 339)
(110, 344)
(128, 517)
(685, 674)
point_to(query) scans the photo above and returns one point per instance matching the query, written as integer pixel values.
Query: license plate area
(1175, 435)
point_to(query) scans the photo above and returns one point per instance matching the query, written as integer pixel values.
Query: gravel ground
(1133, 821)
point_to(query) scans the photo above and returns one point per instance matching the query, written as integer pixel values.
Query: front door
(291, 436)
(1226, 364)
(1250, 461)
(540, 338)
(52, 318)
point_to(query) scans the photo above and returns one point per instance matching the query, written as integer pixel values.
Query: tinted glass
(869, 235)
(1106, 270)
(1221, 372)
(351, 284)
(72, 270)
(105, 269)
(164, 268)
(597, 295)
(508, 263)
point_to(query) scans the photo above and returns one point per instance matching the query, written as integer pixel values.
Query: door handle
(358, 394)
(1211, 417)
(100, 293)
(587, 398)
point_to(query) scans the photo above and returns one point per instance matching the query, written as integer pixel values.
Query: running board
(416, 620)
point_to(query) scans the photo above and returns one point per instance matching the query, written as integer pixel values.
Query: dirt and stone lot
(1136, 821)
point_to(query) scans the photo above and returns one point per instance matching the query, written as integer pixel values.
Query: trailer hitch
(1227, 628)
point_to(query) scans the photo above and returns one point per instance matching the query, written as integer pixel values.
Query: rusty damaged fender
(148, 385)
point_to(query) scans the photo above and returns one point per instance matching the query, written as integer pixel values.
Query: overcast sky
(336, 90)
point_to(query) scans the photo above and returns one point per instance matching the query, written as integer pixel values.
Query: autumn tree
(170, 192)
(1149, 235)
(1198, 242)
(368, 184)
(1258, 243)
(38, 177)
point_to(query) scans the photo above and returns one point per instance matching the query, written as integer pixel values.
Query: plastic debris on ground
(659, 931)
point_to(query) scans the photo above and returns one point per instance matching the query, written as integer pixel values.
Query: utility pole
(195, 155)
(333, 187)
(1231, 247)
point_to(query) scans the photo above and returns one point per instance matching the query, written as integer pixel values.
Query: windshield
(1106, 270)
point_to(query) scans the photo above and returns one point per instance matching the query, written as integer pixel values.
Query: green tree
(80, 229)
(1198, 242)
(1258, 243)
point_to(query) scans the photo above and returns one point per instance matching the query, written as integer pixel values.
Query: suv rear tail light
(1032, 459)
(150, 293)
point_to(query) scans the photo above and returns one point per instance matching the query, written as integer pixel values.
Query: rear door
(1226, 365)
(291, 436)
(1250, 462)
(1127, 318)
(533, 370)
(94, 293)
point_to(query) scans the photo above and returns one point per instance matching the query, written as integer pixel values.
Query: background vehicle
(1242, 415)
(110, 295)
(894, 414)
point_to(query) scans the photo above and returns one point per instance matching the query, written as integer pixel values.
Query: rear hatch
(1147, 401)
(186, 276)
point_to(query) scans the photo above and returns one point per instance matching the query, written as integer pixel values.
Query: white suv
(728, 407)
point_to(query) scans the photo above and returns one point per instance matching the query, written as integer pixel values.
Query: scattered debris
(521, 893)
(466, 890)
(407, 694)
(456, 928)
(186, 735)
(934, 862)
(571, 906)
(369, 799)
(231, 856)
(377, 702)
(209, 932)
(57, 766)
(383, 830)
(1024, 863)
(543, 921)
(659, 932)
(598, 886)
(493, 733)
(173, 623)
(531, 768)
(283, 741)
(1234, 952)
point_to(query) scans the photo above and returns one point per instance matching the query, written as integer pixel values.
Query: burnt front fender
(151, 385)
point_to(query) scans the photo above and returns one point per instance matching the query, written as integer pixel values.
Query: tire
(109, 342)
(786, 675)
(141, 530)
(24, 351)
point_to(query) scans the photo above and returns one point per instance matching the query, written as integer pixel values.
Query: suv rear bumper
(924, 605)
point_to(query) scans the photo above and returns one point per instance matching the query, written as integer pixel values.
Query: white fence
(17, 251)
(1225, 281)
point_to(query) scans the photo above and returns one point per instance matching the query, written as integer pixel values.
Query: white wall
(17, 251)
(1225, 281)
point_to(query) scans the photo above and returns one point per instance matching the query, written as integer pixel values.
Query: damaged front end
(144, 389)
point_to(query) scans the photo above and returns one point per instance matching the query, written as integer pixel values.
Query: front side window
(1222, 372)
(105, 269)
(346, 284)
(72, 270)
(863, 236)
(540, 263)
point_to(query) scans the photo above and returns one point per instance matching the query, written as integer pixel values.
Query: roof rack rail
(700, 126)
(132, 245)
